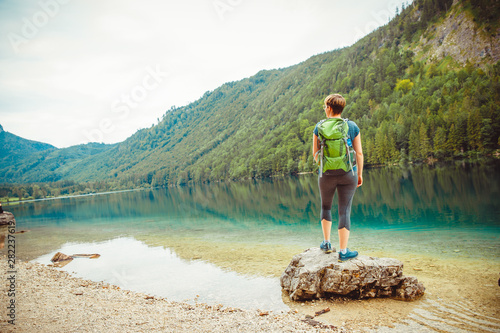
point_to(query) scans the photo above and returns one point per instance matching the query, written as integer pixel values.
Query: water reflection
(158, 271)
(429, 197)
(458, 196)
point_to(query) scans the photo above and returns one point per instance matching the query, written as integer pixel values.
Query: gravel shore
(50, 300)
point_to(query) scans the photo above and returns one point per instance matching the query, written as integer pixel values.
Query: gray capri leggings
(345, 183)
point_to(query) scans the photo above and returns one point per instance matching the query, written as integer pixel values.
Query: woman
(344, 182)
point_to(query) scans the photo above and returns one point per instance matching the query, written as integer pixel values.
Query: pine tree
(414, 144)
(474, 135)
(425, 146)
(440, 140)
(380, 149)
(456, 138)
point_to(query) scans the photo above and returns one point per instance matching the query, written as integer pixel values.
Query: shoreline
(15, 202)
(51, 300)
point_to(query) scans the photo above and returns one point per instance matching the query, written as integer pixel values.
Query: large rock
(314, 274)
(7, 217)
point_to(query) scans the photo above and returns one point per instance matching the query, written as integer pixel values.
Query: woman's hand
(360, 180)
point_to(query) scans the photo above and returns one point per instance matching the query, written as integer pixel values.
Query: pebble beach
(50, 300)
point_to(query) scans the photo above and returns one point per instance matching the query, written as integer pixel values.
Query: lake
(229, 242)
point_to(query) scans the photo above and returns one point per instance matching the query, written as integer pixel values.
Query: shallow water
(132, 265)
(237, 229)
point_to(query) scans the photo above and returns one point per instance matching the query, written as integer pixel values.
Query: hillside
(44, 165)
(11, 145)
(14, 149)
(425, 86)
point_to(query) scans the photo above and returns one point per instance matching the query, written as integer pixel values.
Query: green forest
(411, 106)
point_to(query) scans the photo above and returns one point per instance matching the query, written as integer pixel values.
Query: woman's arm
(356, 143)
(315, 147)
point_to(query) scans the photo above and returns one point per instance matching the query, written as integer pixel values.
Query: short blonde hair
(336, 102)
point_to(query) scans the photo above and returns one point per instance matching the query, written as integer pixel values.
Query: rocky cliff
(458, 36)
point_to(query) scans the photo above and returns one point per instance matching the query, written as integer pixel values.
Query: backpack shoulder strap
(349, 139)
(349, 144)
(346, 135)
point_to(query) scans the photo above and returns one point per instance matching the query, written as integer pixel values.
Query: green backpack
(336, 150)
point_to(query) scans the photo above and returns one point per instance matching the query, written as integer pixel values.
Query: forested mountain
(14, 148)
(425, 86)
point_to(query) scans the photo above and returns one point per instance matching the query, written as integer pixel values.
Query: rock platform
(314, 274)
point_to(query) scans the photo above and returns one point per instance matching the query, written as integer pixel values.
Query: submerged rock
(7, 218)
(314, 274)
(59, 256)
(60, 259)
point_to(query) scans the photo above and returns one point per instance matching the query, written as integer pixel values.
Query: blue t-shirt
(353, 129)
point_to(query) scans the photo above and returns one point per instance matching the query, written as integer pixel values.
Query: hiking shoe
(326, 247)
(348, 255)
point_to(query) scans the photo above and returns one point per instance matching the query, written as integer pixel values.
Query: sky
(75, 71)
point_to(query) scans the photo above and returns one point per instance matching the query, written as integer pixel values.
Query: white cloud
(76, 62)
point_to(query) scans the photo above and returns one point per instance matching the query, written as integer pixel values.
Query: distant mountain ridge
(414, 93)
(13, 148)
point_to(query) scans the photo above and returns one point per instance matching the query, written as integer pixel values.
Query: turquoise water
(451, 210)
